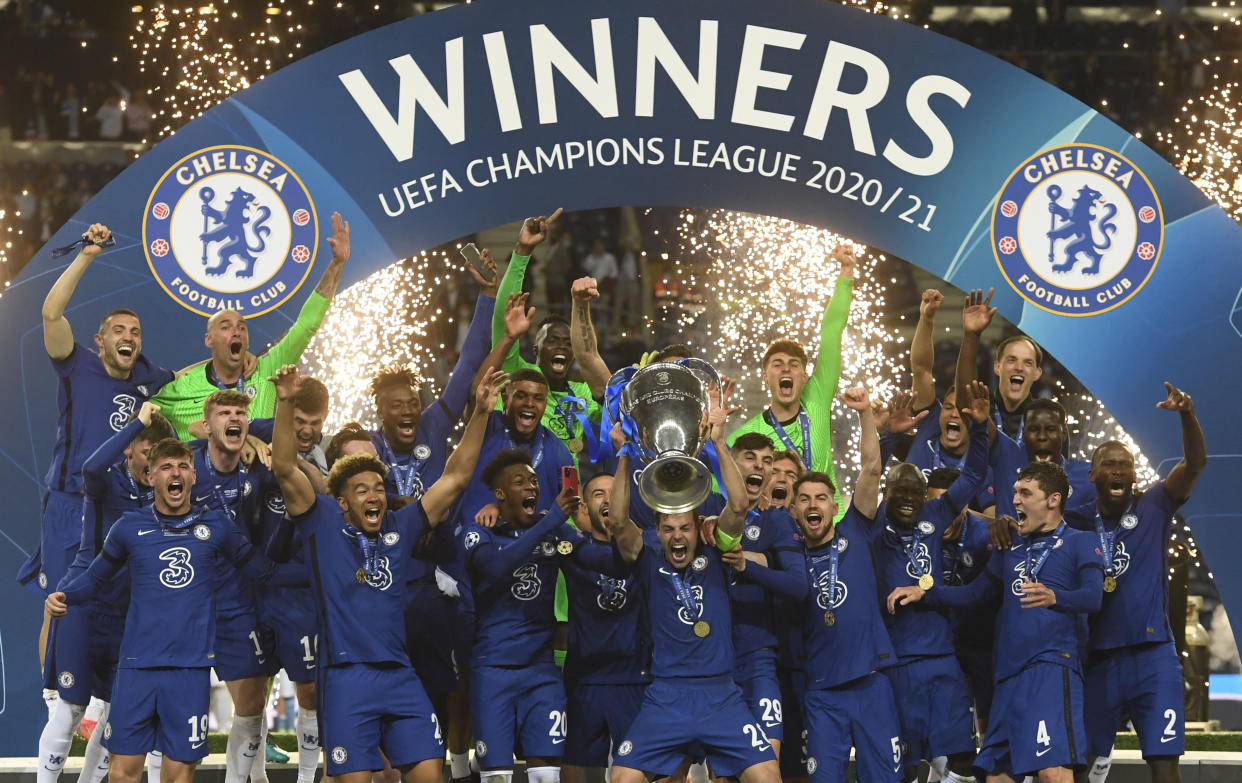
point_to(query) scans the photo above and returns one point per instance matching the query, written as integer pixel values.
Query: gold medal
(575, 445)
(1110, 584)
(565, 548)
(830, 618)
(361, 575)
(701, 629)
(926, 582)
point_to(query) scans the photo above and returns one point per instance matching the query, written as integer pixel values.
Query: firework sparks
(1204, 145)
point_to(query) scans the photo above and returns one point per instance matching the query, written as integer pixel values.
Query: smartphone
(569, 478)
(471, 253)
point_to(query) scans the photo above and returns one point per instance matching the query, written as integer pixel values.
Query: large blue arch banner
(447, 123)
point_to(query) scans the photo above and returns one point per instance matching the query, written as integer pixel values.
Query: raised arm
(582, 336)
(533, 232)
(976, 315)
(836, 315)
(867, 488)
(975, 467)
(339, 242)
(57, 334)
(516, 318)
(464, 378)
(294, 485)
(1185, 473)
(625, 534)
(923, 352)
(733, 517)
(95, 468)
(441, 495)
(501, 558)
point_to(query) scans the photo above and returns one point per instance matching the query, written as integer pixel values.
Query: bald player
(228, 340)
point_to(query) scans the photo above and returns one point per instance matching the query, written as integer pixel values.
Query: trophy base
(674, 482)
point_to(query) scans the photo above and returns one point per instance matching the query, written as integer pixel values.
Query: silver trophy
(668, 402)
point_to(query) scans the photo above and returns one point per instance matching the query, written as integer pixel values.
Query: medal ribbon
(804, 422)
(145, 496)
(83, 242)
(218, 493)
(685, 595)
(834, 559)
(1108, 545)
(407, 475)
(180, 524)
(912, 548)
(214, 380)
(571, 407)
(370, 551)
(1046, 545)
(536, 454)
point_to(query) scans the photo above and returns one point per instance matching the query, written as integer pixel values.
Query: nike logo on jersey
(196, 746)
(1042, 752)
(204, 497)
(558, 741)
(1168, 739)
(144, 532)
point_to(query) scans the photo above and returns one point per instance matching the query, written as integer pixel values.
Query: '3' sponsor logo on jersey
(125, 404)
(682, 614)
(526, 582)
(923, 558)
(179, 572)
(382, 578)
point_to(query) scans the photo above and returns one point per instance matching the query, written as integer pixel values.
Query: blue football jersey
(608, 643)
(927, 454)
(1009, 456)
(237, 494)
(962, 561)
(110, 490)
(513, 577)
(1137, 612)
(361, 611)
(1069, 565)
(93, 406)
(546, 450)
(771, 533)
(842, 623)
(676, 650)
(174, 563)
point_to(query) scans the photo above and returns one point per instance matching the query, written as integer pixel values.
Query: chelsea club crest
(1077, 230)
(230, 228)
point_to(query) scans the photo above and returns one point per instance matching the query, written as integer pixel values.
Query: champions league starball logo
(230, 228)
(1077, 230)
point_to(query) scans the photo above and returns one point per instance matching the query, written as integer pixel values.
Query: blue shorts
(755, 674)
(159, 709)
(599, 716)
(1143, 683)
(290, 622)
(82, 652)
(243, 647)
(366, 708)
(59, 536)
(861, 714)
(683, 715)
(431, 653)
(976, 663)
(517, 710)
(793, 752)
(1036, 724)
(933, 705)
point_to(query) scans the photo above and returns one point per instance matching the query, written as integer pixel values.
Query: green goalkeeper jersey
(182, 400)
(818, 393)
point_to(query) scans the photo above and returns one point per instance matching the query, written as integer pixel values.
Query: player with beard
(175, 556)
(799, 412)
(83, 646)
(1045, 433)
(310, 410)
(98, 391)
(357, 553)
(554, 354)
(848, 700)
(1133, 669)
(933, 700)
(228, 340)
(1049, 581)
(517, 699)
(693, 701)
(786, 470)
(941, 438)
(769, 569)
(606, 668)
(244, 656)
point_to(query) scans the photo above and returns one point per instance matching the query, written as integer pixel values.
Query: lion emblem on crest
(1079, 227)
(231, 230)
